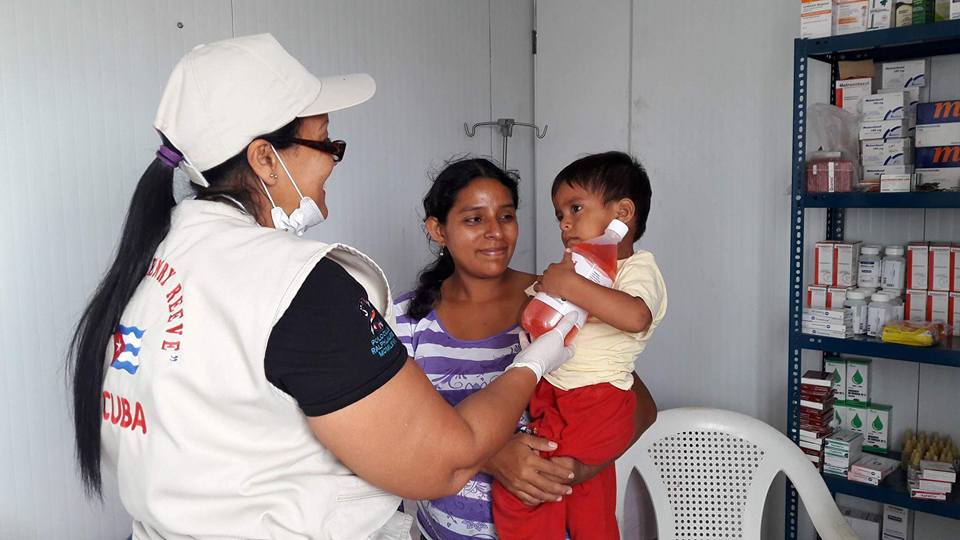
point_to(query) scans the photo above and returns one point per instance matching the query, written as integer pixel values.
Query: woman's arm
(406, 439)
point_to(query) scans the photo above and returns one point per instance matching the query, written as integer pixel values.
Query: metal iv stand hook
(505, 126)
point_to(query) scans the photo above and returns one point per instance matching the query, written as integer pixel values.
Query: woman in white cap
(241, 381)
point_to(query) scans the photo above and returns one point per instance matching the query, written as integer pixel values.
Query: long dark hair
(437, 204)
(146, 225)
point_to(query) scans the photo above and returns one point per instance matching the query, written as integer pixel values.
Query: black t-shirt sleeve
(331, 348)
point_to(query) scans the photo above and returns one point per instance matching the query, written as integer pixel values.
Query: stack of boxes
(888, 120)
(872, 469)
(938, 144)
(853, 410)
(841, 450)
(816, 413)
(933, 284)
(823, 18)
(932, 464)
(835, 267)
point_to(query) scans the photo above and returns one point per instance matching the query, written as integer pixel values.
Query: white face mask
(305, 216)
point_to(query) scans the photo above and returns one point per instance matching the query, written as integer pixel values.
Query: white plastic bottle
(878, 313)
(869, 270)
(893, 267)
(856, 305)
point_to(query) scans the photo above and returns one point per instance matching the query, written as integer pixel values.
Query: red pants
(592, 424)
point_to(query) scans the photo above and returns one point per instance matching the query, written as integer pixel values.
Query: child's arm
(616, 308)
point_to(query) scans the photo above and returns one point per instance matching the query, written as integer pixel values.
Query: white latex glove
(547, 353)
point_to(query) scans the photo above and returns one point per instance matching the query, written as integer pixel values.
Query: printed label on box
(847, 263)
(938, 112)
(817, 296)
(824, 263)
(906, 73)
(883, 129)
(944, 178)
(849, 92)
(938, 135)
(878, 427)
(885, 106)
(917, 262)
(939, 268)
(858, 381)
(898, 151)
(937, 157)
(915, 305)
(938, 307)
(837, 368)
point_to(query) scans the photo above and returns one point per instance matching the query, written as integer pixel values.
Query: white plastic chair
(708, 472)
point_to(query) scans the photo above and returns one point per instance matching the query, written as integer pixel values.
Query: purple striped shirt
(457, 368)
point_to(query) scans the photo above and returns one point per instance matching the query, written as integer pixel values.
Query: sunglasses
(335, 148)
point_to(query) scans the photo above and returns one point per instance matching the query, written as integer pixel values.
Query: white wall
(79, 84)
(703, 98)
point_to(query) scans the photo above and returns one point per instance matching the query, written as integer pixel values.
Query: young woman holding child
(460, 326)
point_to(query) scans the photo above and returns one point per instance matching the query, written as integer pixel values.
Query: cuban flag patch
(126, 348)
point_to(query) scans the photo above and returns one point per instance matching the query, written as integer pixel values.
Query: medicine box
(817, 296)
(916, 94)
(896, 183)
(877, 437)
(850, 16)
(938, 124)
(824, 263)
(918, 260)
(938, 157)
(944, 178)
(816, 18)
(840, 415)
(937, 134)
(938, 307)
(836, 296)
(905, 73)
(856, 416)
(903, 13)
(880, 15)
(872, 173)
(892, 105)
(858, 380)
(837, 368)
(897, 523)
(897, 151)
(924, 11)
(955, 264)
(849, 93)
(846, 264)
(915, 305)
(884, 129)
(940, 267)
(954, 10)
(953, 321)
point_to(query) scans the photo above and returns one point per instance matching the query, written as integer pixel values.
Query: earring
(441, 252)
(273, 175)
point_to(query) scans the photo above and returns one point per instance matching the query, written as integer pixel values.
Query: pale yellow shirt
(605, 354)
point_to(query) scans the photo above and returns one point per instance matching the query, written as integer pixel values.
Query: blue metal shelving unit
(881, 45)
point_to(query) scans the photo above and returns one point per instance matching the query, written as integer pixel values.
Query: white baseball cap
(223, 95)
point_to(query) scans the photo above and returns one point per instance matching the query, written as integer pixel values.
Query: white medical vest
(203, 446)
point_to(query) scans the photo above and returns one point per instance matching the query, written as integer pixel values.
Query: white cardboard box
(816, 18)
(917, 94)
(890, 105)
(886, 129)
(850, 16)
(918, 262)
(947, 134)
(824, 261)
(846, 264)
(880, 15)
(849, 92)
(939, 268)
(954, 9)
(879, 152)
(938, 307)
(817, 296)
(955, 262)
(915, 305)
(896, 183)
(836, 296)
(874, 172)
(947, 178)
(954, 318)
(905, 73)
(864, 524)
(897, 523)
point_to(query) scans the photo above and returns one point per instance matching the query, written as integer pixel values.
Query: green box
(858, 380)
(877, 432)
(857, 417)
(923, 11)
(941, 11)
(837, 368)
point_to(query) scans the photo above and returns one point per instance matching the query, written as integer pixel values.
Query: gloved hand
(547, 353)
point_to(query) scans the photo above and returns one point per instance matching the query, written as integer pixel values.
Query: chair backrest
(708, 472)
